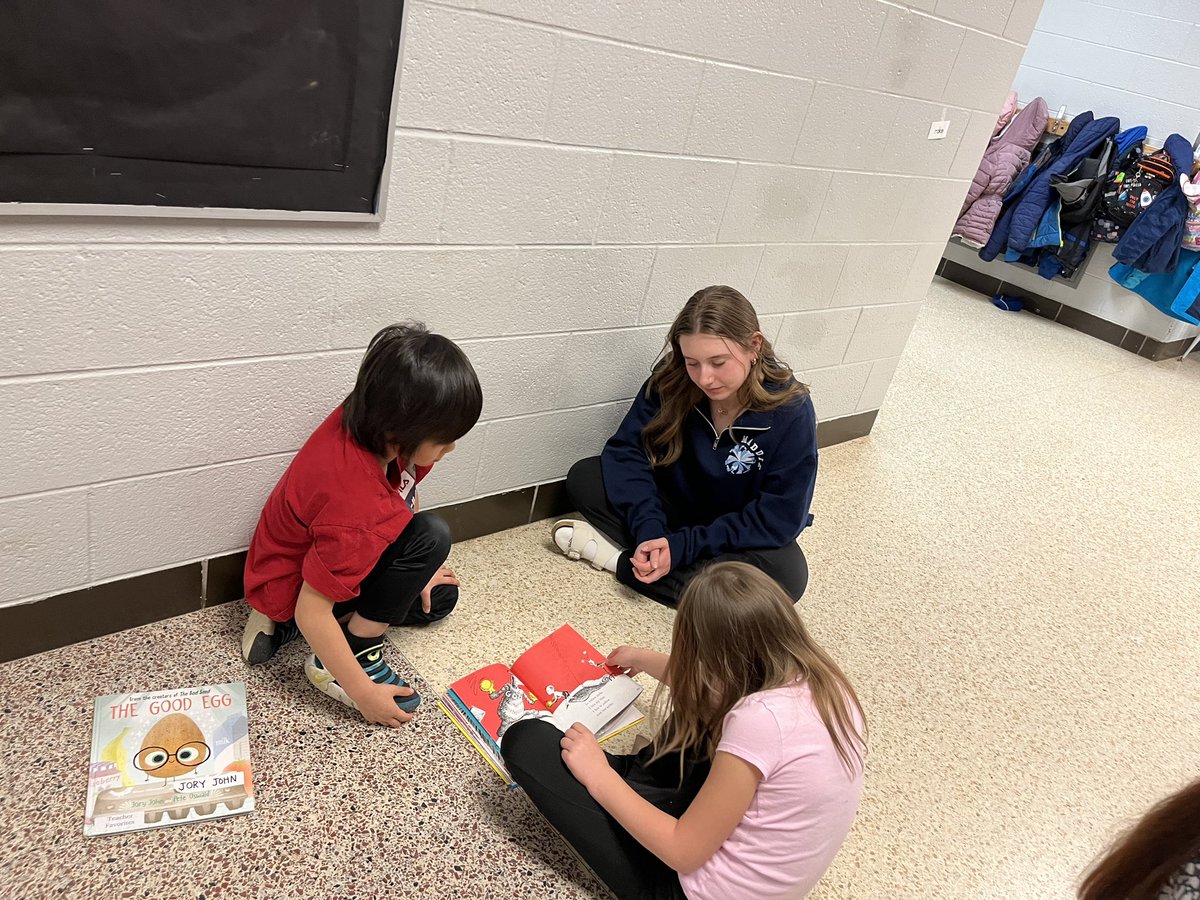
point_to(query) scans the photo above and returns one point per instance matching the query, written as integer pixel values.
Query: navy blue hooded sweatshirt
(1152, 241)
(750, 487)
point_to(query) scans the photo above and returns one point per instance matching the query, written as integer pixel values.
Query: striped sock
(377, 667)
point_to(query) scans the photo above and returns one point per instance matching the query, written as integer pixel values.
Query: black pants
(585, 487)
(391, 592)
(532, 753)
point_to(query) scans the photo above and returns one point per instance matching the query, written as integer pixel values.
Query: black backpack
(1135, 185)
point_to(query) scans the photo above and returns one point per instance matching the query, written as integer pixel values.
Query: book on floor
(168, 758)
(562, 679)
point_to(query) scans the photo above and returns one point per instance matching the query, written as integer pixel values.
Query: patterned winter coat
(1002, 162)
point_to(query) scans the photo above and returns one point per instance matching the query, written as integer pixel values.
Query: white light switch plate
(938, 130)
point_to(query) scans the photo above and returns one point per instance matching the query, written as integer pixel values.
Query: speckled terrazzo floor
(343, 810)
(1003, 567)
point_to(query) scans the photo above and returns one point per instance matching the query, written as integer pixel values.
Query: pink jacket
(1002, 162)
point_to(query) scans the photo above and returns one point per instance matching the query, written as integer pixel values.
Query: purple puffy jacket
(1004, 159)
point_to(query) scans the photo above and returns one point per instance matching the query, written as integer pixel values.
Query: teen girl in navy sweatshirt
(716, 459)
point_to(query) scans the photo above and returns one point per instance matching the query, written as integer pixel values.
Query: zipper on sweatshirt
(717, 434)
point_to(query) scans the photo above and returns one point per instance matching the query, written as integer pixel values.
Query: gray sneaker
(264, 636)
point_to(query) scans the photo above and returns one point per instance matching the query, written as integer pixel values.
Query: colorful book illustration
(562, 678)
(168, 758)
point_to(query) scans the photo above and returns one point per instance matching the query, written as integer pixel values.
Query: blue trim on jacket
(750, 487)
(1174, 293)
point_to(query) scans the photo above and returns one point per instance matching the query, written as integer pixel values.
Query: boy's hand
(444, 575)
(378, 704)
(627, 658)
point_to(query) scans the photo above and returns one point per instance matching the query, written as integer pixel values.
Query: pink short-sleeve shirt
(801, 812)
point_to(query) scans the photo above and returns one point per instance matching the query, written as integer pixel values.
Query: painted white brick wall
(565, 175)
(1135, 59)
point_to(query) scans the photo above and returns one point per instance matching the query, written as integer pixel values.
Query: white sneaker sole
(323, 681)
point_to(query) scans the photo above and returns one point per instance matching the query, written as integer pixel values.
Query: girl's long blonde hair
(721, 311)
(736, 633)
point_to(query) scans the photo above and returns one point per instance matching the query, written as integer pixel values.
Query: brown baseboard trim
(92, 612)
(847, 428)
(107, 608)
(487, 515)
(1109, 332)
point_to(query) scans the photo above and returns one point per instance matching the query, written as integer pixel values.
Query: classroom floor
(1003, 567)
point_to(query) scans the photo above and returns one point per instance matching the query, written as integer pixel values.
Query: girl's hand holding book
(627, 658)
(583, 756)
(635, 660)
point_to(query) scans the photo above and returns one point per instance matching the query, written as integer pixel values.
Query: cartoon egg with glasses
(174, 746)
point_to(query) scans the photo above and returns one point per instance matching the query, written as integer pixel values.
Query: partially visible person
(342, 550)
(1156, 859)
(752, 782)
(716, 460)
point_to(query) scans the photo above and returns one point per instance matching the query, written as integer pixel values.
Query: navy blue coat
(748, 487)
(1151, 242)
(998, 242)
(1038, 196)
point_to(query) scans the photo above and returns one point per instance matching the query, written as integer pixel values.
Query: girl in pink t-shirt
(752, 783)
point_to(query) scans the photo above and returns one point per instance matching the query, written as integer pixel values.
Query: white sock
(562, 537)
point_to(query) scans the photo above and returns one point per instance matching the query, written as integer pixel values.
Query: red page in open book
(559, 664)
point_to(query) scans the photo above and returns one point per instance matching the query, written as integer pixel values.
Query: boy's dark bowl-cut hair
(412, 386)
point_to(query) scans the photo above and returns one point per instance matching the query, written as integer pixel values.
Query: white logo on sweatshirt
(744, 456)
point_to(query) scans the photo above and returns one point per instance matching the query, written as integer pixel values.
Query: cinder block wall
(1136, 59)
(565, 175)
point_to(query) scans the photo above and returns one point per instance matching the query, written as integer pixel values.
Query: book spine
(447, 706)
(474, 723)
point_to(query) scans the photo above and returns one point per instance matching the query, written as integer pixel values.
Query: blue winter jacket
(1152, 241)
(749, 487)
(998, 242)
(1038, 196)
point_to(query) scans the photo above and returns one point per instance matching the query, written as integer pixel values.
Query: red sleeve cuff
(320, 579)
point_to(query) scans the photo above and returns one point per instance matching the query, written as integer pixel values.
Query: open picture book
(562, 679)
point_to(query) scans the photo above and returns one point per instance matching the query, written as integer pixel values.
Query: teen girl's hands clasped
(651, 560)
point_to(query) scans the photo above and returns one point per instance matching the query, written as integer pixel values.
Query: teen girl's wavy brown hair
(736, 633)
(1143, 859)
(721, 311)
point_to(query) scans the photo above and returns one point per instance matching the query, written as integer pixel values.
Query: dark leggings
(532, 753)
(391, 592)
(585, 487)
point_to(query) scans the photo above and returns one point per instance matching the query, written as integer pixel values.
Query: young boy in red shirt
(342, 550)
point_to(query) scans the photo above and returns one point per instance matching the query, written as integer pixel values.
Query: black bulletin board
(237, 105)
